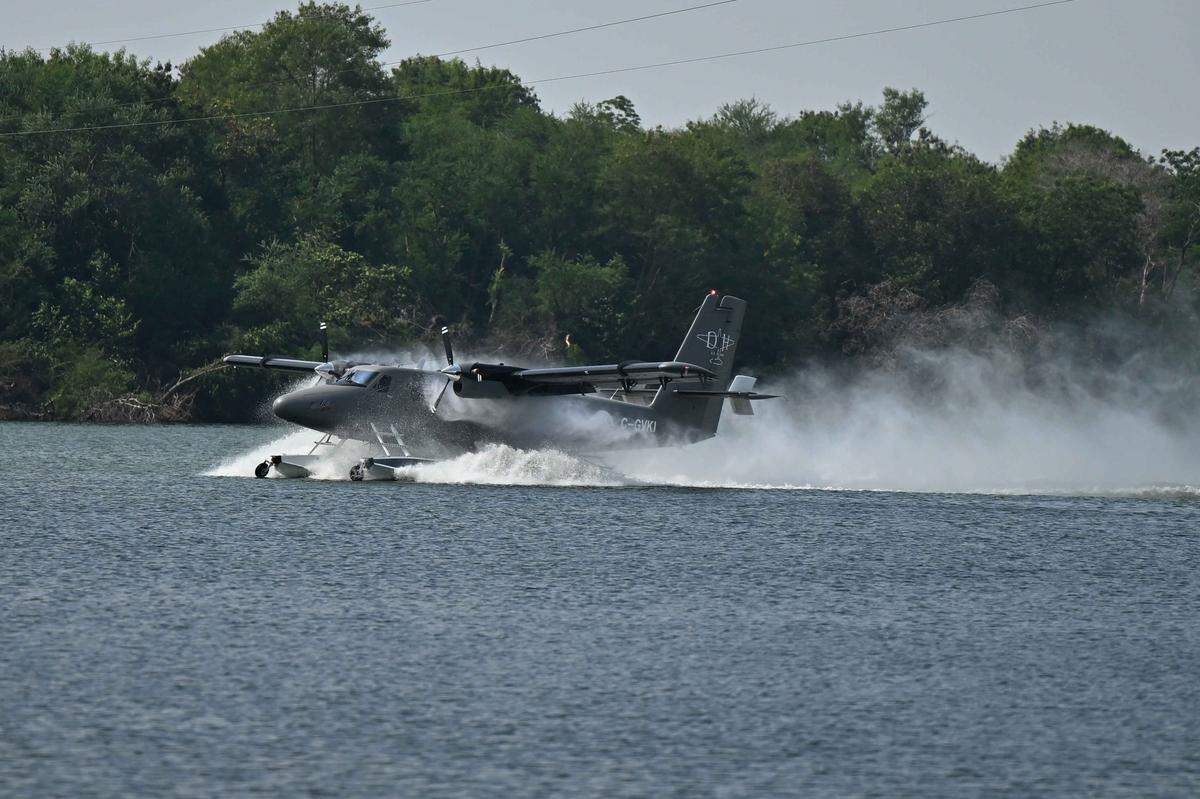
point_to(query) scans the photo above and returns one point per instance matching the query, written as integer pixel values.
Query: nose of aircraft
(323, 408)
(287, 407)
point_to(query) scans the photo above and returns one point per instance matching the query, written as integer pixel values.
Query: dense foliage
(136, 247)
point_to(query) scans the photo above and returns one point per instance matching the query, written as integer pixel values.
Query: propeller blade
(324, 343)
(446, 344)
(441, 394)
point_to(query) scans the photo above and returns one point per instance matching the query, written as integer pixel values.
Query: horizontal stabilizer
(739, 401)
(740, 393)
(749, 395)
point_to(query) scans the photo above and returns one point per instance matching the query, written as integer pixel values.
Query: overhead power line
(809, 43)
(579, 30)
(279, 81)
(215, 30)
(576, 76)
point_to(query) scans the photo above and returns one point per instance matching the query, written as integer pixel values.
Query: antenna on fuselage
(324, 343)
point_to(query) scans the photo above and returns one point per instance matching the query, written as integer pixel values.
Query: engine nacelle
(470, 388)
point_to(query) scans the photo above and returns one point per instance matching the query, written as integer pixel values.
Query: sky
(1128, 67)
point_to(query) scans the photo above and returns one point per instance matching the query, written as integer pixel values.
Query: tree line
(153, 219)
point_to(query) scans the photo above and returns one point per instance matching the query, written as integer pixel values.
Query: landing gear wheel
(356, 473)
(262, 469)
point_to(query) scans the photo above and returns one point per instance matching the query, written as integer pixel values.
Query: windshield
(360, 378)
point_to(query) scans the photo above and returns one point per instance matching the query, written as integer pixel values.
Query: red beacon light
(712, 292)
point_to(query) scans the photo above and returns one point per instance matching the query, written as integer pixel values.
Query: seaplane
(403, 413)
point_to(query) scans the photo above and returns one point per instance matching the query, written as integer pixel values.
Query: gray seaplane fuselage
(370, 398)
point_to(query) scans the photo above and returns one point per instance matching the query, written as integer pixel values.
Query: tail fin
(711, 342)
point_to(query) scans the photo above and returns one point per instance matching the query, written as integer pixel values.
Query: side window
(383, 384)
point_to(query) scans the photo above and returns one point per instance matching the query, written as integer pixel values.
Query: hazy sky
(1130, 67)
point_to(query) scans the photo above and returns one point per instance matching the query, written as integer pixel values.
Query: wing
(576, 379)
(615, 373)
(271, 362)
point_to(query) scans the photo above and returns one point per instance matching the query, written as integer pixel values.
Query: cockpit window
(359, 378)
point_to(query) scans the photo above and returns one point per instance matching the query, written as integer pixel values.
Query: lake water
(168, 631)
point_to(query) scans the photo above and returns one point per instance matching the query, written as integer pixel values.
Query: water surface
(167, 632)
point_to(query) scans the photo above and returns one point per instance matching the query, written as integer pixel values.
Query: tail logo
(717, 342)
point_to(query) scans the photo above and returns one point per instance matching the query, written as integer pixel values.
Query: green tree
(673, 205)
(841, 140)
(85, 379)
(937, 222)
(582, 298)
(808, 224)
(1181, 225)
(114, 213)
(321, 55)
(291, 287)
(899, 118)
(1092, 211)
(750, 121)
(464, 194)
(481, 95)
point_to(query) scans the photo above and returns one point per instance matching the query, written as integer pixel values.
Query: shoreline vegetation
(139, 243)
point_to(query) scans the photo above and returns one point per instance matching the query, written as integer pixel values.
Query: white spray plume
(497, 464)
(956, 422)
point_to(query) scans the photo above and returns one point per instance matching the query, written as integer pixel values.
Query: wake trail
(503, 465)
(723, 463)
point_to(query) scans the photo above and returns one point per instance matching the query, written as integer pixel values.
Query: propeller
(330, 370)
(433, 408)
(452, 372)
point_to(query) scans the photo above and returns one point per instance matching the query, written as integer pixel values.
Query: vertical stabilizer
(711, 342)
